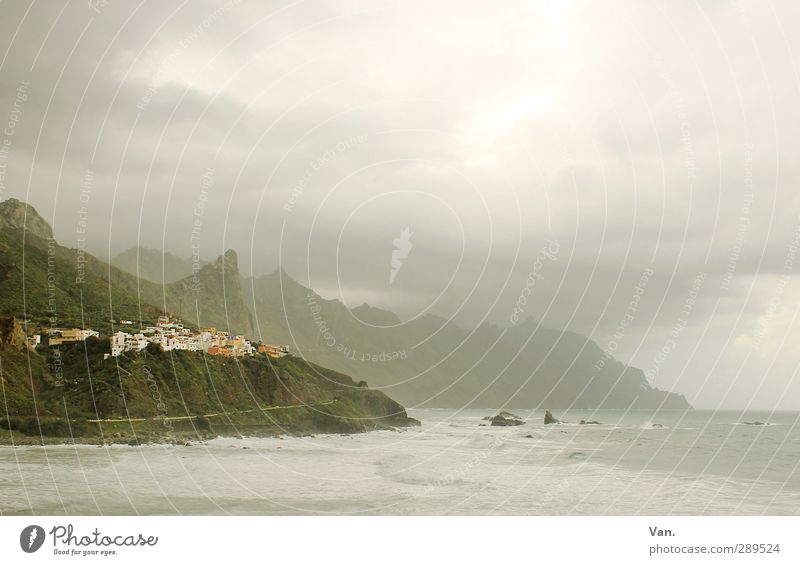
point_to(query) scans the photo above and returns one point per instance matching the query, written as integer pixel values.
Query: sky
(624, 170)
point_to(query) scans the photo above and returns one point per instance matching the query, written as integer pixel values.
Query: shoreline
(297, 421)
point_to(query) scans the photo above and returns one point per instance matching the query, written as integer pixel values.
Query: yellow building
(58, 336)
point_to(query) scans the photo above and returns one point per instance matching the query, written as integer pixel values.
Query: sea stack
(549, 418)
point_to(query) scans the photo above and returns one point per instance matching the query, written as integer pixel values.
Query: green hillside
(71, 391)
(51, 285)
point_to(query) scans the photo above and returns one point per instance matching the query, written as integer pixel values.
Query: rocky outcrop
(589, 423)
(549, 418)
(15, 214)
(507, 419)
(11, 333)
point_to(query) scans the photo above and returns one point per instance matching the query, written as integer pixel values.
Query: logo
(402, 247)
(31, 539)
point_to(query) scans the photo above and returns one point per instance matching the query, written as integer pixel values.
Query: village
(169, 334)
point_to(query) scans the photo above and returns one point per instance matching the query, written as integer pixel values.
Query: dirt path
(215, 414)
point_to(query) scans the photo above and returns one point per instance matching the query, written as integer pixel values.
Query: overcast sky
(649, 144)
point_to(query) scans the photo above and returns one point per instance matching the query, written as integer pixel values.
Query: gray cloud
(657, 136)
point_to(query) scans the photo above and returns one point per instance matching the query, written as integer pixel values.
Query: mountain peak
(16, 214)
(228, 260)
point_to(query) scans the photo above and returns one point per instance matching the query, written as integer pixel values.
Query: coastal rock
(658, 426)
(549, 418)
(589, 423)
(507, 419)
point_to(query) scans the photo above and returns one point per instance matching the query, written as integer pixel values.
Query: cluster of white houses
(170, 335)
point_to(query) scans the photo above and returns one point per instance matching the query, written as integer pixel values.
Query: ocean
(671, 462)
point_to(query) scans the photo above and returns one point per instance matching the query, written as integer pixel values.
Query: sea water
(633, 462)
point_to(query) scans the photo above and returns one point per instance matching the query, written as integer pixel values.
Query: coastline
(188, 430)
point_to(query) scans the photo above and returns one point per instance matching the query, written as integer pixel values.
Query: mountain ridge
(427, 361)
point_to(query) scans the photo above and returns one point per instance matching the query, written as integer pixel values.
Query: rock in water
(549, 418)
(590, 422)
(507, 419)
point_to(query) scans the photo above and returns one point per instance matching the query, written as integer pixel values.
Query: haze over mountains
(426, 361)
(153, 265)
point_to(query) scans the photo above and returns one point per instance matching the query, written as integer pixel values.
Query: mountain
(153, 265)
(73, 391)
(427, 361)
(430, 361)
(18, 215)
(51, 285)
(211, 297)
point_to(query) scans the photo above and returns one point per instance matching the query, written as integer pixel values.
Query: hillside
(72, 392)
(52, 285)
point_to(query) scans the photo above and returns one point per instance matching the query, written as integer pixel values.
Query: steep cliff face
(213, 296)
